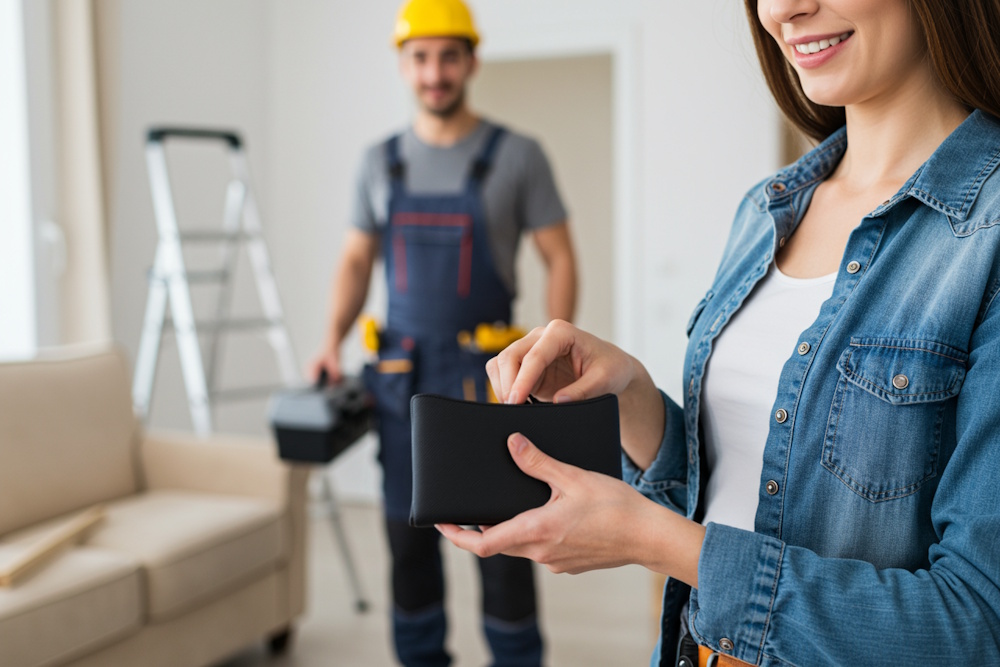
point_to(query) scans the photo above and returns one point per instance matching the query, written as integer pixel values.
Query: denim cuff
(665, 481)
(737, 583)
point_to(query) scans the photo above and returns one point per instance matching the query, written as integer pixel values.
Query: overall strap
(481, 166)
(396, 167)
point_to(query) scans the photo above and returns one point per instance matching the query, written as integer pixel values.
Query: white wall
(312, 82)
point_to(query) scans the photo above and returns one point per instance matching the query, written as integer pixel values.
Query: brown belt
(706, 659)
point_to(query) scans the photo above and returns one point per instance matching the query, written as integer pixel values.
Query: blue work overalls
(441, 280)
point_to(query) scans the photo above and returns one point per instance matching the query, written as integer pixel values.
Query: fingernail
(513, 398)
(561, 398)
(518, 442)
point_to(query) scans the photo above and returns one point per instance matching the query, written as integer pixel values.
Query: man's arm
(348, 291)
(556, 248)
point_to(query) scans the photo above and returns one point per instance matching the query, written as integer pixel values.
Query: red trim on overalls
(435, 220)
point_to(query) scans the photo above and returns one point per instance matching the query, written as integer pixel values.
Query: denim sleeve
(665, 481)
(785, 605)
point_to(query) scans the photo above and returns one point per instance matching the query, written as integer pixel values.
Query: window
(17, 299)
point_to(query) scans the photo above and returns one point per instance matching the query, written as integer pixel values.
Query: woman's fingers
(503, 368)
(536, 463)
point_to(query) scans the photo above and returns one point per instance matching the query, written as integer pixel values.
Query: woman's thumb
(533, 461)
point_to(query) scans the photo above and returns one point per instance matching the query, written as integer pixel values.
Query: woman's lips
(812, 52)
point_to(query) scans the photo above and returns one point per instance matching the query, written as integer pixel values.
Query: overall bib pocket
(883, 437)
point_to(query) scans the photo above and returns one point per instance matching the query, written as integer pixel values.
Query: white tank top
(741, 383)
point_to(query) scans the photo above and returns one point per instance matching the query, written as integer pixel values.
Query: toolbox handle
(323, 377)
(356, 398)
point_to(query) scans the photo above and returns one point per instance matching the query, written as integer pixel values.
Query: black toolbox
(315, 424)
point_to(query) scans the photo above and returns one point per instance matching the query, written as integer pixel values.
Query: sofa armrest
(230, 464)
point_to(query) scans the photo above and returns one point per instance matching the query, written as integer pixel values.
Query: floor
(599, 619)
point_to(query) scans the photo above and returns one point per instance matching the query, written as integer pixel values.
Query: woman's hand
(591, 521)
(559, 363)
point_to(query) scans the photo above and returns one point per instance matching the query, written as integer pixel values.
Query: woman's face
(848, 51)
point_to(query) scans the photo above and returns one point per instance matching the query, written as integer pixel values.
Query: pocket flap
(698, 310)
(904, 371)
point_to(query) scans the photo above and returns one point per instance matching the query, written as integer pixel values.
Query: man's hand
(328, 360)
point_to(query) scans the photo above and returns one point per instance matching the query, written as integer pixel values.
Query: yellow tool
(493, 338)
(369, 334)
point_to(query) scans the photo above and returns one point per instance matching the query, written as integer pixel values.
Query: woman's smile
(813, 51)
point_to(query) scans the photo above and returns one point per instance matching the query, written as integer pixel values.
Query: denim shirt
(877, 535)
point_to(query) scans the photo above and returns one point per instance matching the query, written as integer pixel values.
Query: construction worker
(445, 203)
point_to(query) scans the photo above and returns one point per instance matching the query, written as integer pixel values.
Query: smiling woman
(826, 493)
(957, 39)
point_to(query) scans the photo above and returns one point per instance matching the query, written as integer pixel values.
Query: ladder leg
(149, 347)
(231, 222)
(338, 532)
(170, 267)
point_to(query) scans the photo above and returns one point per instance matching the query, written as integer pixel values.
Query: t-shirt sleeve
(542, 205)
(363, 214)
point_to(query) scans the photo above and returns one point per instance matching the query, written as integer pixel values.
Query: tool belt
(709, 658)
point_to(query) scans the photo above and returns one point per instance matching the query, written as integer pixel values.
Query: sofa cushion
(194, 546)
(82, 599)
(66, 436)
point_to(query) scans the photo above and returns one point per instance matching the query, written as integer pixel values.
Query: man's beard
(450, 110)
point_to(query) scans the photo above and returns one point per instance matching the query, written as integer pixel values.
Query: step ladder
(170, 286)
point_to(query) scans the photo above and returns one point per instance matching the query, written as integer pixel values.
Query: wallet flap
(463, 472)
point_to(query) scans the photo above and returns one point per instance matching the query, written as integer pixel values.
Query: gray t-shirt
(519, 192)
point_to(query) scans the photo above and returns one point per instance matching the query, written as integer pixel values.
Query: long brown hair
(963, 45)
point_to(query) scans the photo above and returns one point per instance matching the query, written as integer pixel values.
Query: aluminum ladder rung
(235, 324)
(244, 393)
(191, 277)
(208, 236)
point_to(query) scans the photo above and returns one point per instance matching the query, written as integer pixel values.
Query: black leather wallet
(463, 472)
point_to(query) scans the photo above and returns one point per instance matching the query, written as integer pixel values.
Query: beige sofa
(200, 552)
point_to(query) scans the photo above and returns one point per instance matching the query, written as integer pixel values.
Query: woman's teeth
(821, 45)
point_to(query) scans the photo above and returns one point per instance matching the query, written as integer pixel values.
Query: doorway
(566, 104)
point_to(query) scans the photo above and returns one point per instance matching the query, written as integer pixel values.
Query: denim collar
(949, 181)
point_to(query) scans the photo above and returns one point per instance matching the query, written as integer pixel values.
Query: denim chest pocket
(883, 438)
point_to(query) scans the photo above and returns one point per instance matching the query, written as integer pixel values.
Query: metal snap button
(804, 348)
(853, 267)
(781, 242)
(778, 187)
(771, 487)
(900, 381)
(726, 644)
(780, 416)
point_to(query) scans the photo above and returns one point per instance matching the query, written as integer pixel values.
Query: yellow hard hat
(434, 18)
